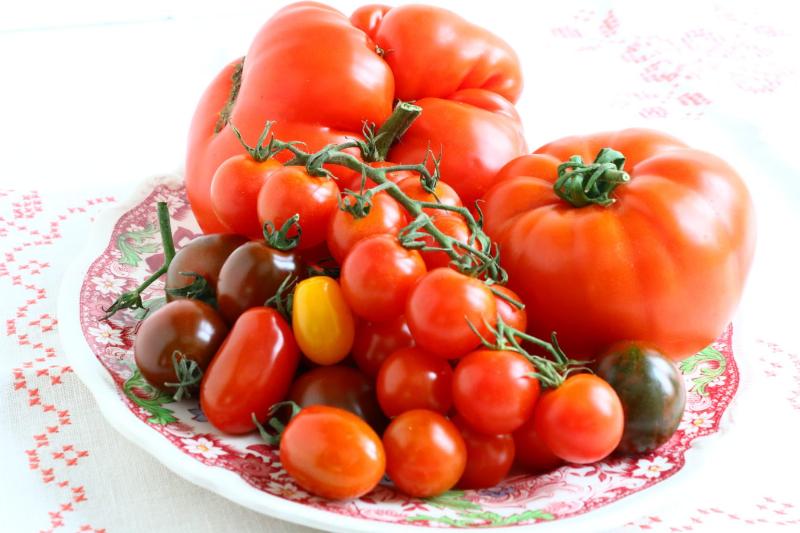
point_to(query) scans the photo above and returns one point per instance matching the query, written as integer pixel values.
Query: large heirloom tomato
(661, 258)
(320, 76)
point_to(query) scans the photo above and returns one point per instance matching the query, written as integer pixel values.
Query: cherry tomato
(353, 180)
(332, 453)
(290, 191)
(495, 391)
(445, 194)
(234, 192)
(582, 420)
(322, 321)
(251, 275)
(251, 371)
(375, 341)
(441, 307)
(189, 329)
(489, 457)
(203, 255)
(531, 452)
(425, 454)
(342, 387)
(451, 225)
(385, 216)
(413, 379)
(511, 314)
(378, 276)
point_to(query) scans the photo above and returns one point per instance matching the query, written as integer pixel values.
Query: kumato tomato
(441, 308)
(385, 217)
(183, 329)
(203, 255)
(378, 276)
(495, 391)
(581, 421)
(332, 453)
(251, 371)
(489, 457)
(652, 393)
(375, 341)
(413, 379)
(322, 321)
(425, 453)
(532, 453)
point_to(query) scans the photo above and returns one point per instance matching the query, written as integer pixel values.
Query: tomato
(375, 341)
(357, 75)
(234, 191)
(252, 275)
(413, 379)
(512, 315)
(251, 371)
(451, 225)
(323, 323)
(385, 216)
(532, 453)
(495, 391)
(440, 308)
(377, 277)
(353, 180)
(342, 387)
(489, 457)
(425, 453)
(652, 393)
(202, 255)
(442, 193)
(188, 329)
(581, 421)
(290, 191)
(675, 246)
(332, 453)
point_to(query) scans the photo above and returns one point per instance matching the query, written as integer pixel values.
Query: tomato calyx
(260, 152)
(283, 297)
(275, 423)
(189, 375)
(198, 289)
(279, 238)
(580, 184)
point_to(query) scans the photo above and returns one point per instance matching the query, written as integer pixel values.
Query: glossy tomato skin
(375, 341)
(251, 275)
(322, 321)
(425, 453)
(442, 193)
(452, 226)
(512, 315)
(439, 308)
(342, 387)
(413, 379)
(292, 191)
(353, 180)
(652, 393)
(251, 371)
(385, 217)
(489, 457)
(234, 192)
(203, 255)
(332, 453)
(495, 391)
(688, 289)
(581, 421)
(189, 327)
(378, 276)
(531, 453)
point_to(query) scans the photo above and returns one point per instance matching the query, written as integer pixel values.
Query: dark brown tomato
(342, 387)
(250, 276)
(190, 328)
(203, 255)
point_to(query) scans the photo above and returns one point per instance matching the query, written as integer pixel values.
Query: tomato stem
(189, 375)
(404, 114)
(273, 439)
(581, 184)
(279, 238)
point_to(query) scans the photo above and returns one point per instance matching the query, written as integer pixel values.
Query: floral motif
(652, 468)
(103, 333)
(203, 446)
(108, 284)
(693, 421)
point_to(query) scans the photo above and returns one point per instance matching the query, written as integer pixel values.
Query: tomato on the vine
(375, 341)
(442, 193)
(452, 225)
(581, 421)
(425, 453)
(511, 314)
(204, 255)
(332, 453)
(441, 308)
(385, 217)
(413, 379)
(489, 457)
(234, 192)
(322, 321)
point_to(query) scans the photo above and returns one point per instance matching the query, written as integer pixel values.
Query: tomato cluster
(371, 296)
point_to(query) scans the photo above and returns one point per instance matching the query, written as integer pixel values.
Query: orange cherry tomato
(322, 321)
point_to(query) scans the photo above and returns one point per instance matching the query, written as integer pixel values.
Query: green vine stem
(581, 184)
(405, 113)
(133, 299)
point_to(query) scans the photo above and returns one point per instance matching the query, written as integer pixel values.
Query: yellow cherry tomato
(322, 322)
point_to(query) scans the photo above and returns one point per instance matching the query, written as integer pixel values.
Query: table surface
(97, 96)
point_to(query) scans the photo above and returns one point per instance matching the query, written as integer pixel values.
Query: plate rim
(232, 487)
